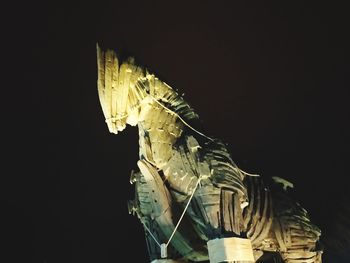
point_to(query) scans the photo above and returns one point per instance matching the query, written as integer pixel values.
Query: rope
(184, 122)
(149, 231)
(183, 213)
(177, 115)
(165, 245)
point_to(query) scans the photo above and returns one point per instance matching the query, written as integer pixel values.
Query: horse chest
(183, 169)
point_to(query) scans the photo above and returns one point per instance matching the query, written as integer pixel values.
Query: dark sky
(270, 80)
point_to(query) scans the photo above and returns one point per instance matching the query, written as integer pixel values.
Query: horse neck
(159, 129)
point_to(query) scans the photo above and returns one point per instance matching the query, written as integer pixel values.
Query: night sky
(270, 80)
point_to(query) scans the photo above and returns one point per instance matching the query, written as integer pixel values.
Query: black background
(269, 80)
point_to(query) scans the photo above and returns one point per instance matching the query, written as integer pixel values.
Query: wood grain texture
(227, 203)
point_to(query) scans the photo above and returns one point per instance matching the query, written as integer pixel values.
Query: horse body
(181, 169)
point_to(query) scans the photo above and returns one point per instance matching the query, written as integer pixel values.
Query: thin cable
(183, 213)
(178, 223)
(149, 231)
(184, 122)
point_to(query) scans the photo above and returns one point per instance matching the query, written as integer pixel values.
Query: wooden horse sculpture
(194, 202)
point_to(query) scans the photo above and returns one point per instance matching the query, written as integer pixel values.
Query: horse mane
(167, 97)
